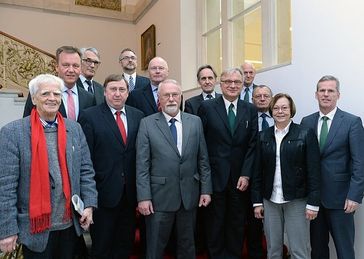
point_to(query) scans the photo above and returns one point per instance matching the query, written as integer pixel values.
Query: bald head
(249, 73)
(158, 70)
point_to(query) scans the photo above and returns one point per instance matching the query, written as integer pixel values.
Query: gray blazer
(15, 179)
(342, 163)
(163, 175)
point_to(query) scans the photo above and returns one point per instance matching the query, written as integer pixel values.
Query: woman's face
(281, 111)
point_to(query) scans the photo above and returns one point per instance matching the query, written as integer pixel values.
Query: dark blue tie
(265, 124)
(173, 129)
(89, 83)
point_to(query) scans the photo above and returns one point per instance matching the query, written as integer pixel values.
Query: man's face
(207, 80)
(47, 100)
(69, 68)
(327, 96)
(128, 61)
(262, 98)
(249, 74)
(170, 98)
(90, 63)
(231, 85)
(116, 93)
(158, 70)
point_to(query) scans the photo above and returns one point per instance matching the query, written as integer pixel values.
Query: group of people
(203, 178)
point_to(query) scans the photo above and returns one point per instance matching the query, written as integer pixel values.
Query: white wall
(327, 38)
(49, 30)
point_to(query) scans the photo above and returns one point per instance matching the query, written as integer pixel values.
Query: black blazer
(230, 155)
(113, 161)
(300, 165)
(141, 82)
(143, 100)
(85, 100)
(97, 88)
(193, 104)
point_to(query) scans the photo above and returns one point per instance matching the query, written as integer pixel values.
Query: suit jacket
(163, 175)
(193, 104)
(143, 99)
(97, 88)
(85, 100)
(113, 160)
(300, 165)
(230, 155)
(342, 164)
(141, 81)
(15, 179)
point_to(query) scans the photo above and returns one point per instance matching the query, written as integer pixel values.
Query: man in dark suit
(248, 87)
(230, 127)
(173, 173)
(89, 65)
(206, 78)
(128, 61)
(113, 158)
(146, 98)
(74, 98)
(341, 137)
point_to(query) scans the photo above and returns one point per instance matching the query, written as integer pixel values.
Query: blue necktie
(265, 124)
(89, 83)
(173, 129)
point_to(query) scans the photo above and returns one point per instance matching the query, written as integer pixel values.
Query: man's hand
(205, 199)
(350, 206)
(243, 183)
(86, 218)
(145, 207)
(311, 214)
(8, 244)
(259, 212)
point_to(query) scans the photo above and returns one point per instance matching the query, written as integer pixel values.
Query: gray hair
(92, 49)
(43, 79)
(262, 86)
(230, 71)
(169, 81)
(329, 78)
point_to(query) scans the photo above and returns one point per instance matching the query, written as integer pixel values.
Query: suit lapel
(335, 125)
(150, 97)
(186, 129)
(69, 150)
(239, 114)
(132, 126)
(163, 127)
(221, 111)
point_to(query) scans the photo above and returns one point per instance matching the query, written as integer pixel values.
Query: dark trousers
(254, 231)
(113, 231)
(61, 245)
(342, 229)
(225, 219)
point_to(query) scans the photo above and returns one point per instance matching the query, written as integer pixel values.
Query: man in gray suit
(47, 162)
(341, 137)
(173, 173)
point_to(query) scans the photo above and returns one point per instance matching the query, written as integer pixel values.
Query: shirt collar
(177, 117)
(227, 103)
(126, 76)
(330, 115)
(74, 89)
(114, 110)
(204, 95)
(267, 113)
(83, 78)
(47, 125)
(284, 131)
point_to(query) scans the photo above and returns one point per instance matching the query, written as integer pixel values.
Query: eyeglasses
(157, 68)
(133, 58)
(173, 95)
(260, 96)
(90, 62)
(283, 108)
(230, 82)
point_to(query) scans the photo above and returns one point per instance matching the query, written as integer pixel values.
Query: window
(238, 31)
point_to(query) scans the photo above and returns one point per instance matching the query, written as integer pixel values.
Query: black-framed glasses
(90, 62)
(133, 58)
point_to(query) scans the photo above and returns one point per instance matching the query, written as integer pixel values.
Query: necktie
(324, 132)
(209, 96)
(121, 126)
(231, 118)
(246, 94)
(265, 124)
(89, 83)
(131, 84)
(173, 129)
(70, 106)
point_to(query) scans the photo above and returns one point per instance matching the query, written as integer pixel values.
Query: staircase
(11, 106)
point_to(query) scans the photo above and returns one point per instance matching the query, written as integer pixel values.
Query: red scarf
(40, 195)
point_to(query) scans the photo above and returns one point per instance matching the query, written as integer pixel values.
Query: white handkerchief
(77, 204)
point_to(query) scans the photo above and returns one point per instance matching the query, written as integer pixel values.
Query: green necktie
(231, 118)
(324, 132)
(246, 94)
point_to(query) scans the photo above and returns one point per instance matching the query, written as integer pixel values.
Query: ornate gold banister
(21, 61)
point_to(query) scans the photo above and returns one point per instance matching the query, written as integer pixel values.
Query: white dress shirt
(178, 124)
(75, 99)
